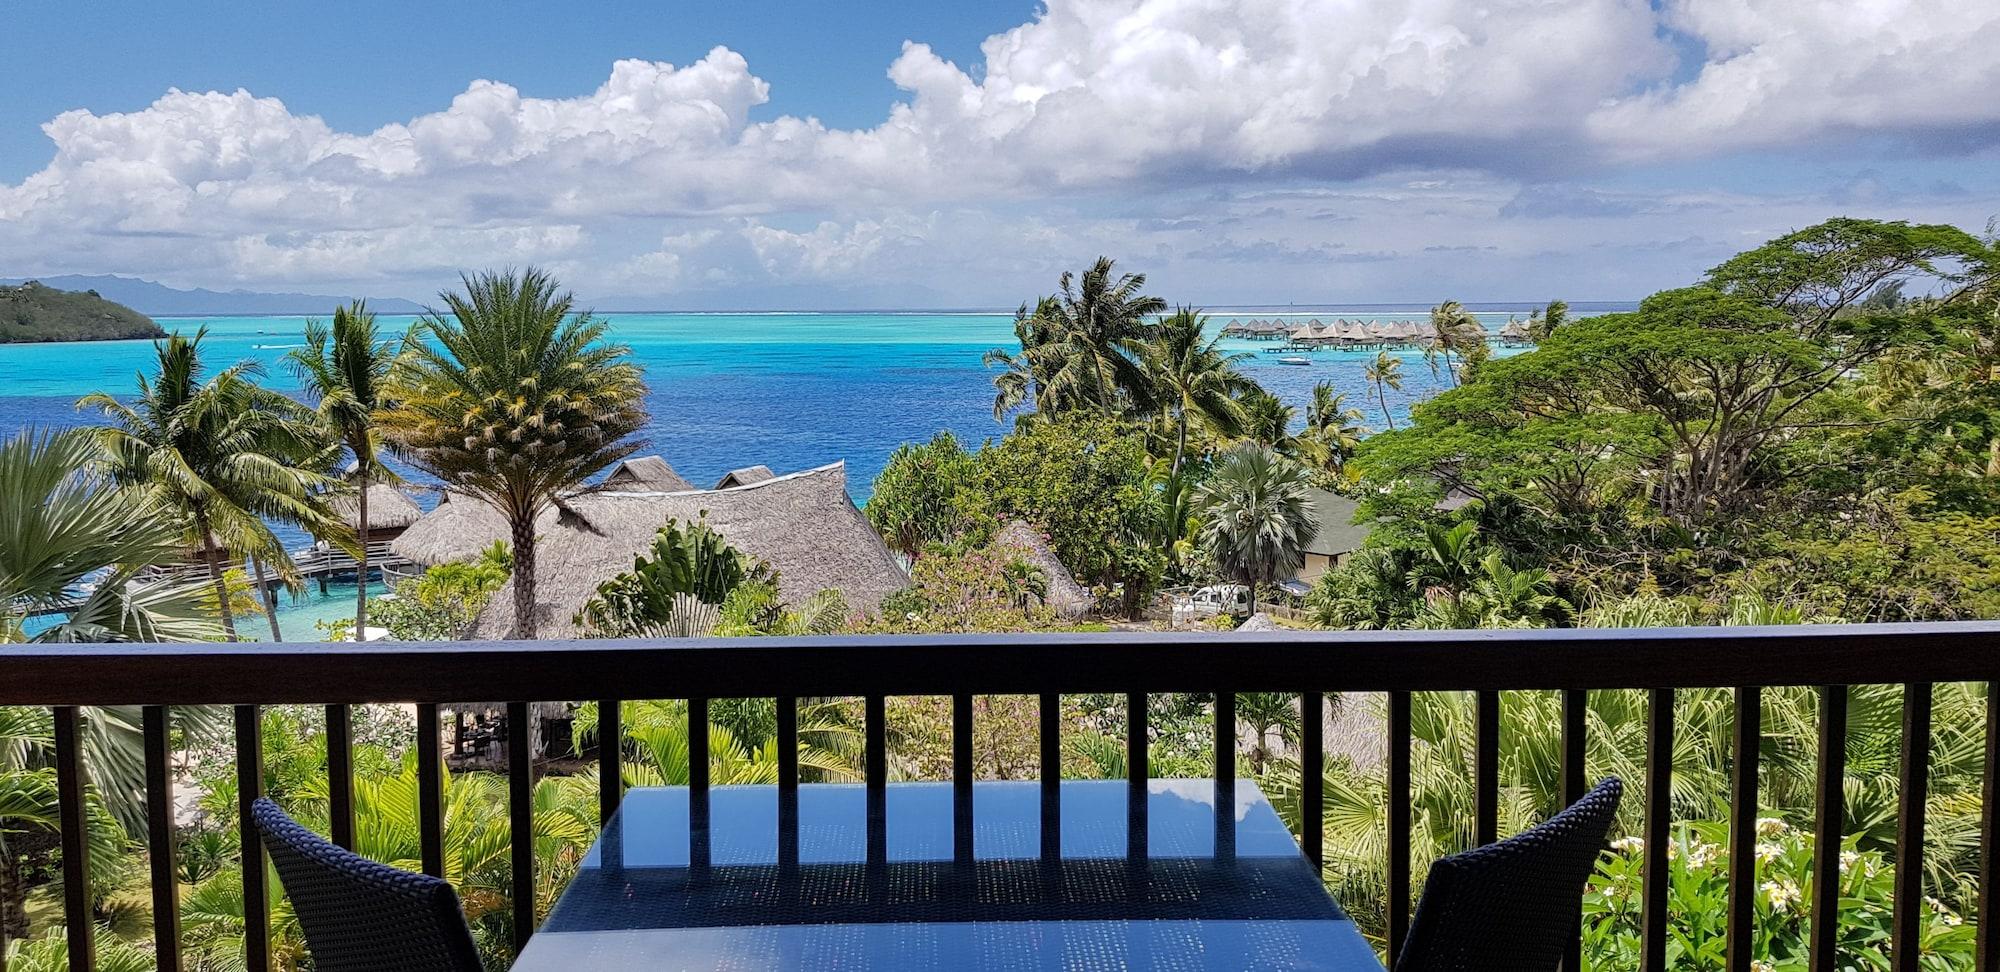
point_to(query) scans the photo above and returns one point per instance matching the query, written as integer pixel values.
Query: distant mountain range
(159, 300)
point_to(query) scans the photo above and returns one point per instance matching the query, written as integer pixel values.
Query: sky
(760, 155)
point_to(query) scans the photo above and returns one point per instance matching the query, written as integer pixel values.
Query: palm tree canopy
(345, 370)
(1080, 356)
(220, 453)
(1257, 517)
(510, 395)
(1189, 375)
(61, 526)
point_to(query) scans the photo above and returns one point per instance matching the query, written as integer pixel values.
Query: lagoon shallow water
(790, 391)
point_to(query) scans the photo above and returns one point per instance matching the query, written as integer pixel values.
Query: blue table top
(1167, 882)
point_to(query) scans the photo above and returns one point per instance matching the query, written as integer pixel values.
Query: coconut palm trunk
(213, 556)
(1383, 397)
(268, 596)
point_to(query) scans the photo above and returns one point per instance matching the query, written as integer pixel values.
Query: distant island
(34, 312)
(164, 301)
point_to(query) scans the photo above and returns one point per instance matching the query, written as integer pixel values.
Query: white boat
(1295, 360)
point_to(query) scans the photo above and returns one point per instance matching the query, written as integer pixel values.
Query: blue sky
(959, 154)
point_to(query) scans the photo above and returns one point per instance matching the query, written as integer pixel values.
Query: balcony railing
(1486, 663)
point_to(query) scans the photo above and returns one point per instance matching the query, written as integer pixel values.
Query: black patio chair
(1511, 906)
(361, 916)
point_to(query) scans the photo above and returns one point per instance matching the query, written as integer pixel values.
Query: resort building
(390, 512)
(1337, 537)
(646, 473)
(803, 524)
(744, 477)
(1061, 592)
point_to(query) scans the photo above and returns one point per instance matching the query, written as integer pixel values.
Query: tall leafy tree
(1454, 331)
(345, 369)
(219, 456)
(1083, 358)
(1267, 420)
(1192, 378)
(510, 396)
(1333, 430)
(1023, 382)
(1385, 372)
(1256, 515)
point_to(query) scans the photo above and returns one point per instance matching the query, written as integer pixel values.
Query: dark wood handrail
(1576, 658)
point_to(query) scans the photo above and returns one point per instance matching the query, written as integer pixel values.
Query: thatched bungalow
(390, 512)
(1064, 595)
(744, 477)
(1514, 333)
(804, 524)
(645, 474)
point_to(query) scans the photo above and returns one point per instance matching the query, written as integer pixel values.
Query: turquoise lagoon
(788, 390)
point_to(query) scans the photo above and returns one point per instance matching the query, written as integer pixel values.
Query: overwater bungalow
(390, 512)
(1515, 334)
(1233, 329)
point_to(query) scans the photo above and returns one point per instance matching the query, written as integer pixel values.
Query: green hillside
(32, 312)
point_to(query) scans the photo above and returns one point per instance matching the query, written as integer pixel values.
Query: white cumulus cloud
(659, 178)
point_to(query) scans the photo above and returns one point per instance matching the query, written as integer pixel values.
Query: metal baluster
(1748, 732)
(521, 820)
(160, 844)
(1225, 775)
(1832, 798)
(1659, 824)
(610, 758)
(1135, 776)
(1914, 789)
(698, 807)
(788, 781)
(1312, 767)
(340, 775)
(961, 777)
(1049, 711)
(877, 774)
(1575, 780)
(75, 842)
(1398, 733)
(250, 786)
(430, 789)
(1486, 768)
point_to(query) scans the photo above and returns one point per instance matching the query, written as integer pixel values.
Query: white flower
(1759, 965)
(1847, 859)
(1766, 853)
(1629, 845)
(1781, 894)
(1771, 827)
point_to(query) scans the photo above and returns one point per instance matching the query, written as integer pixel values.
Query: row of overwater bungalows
(1344, 333)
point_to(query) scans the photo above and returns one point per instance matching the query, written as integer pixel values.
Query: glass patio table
(824, 877)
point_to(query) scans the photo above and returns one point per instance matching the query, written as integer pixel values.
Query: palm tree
(219, 456)
(345, 369)
(1454, 329)
(511, 397)
(1257, 517)
(1191, 378)
(1333, 430)
(1385, 372)
(1085, 361)
(61, 526)
(1022, 383)
(1267, 420)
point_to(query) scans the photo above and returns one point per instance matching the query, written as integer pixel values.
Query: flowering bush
(1698, 897)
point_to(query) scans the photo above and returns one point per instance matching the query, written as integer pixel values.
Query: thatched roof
(389, 508)
(1338, 533)
(1065, 595)
(804, 524)
(644, 474)
(744, 477)
(1258, 622)
(458, 529)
